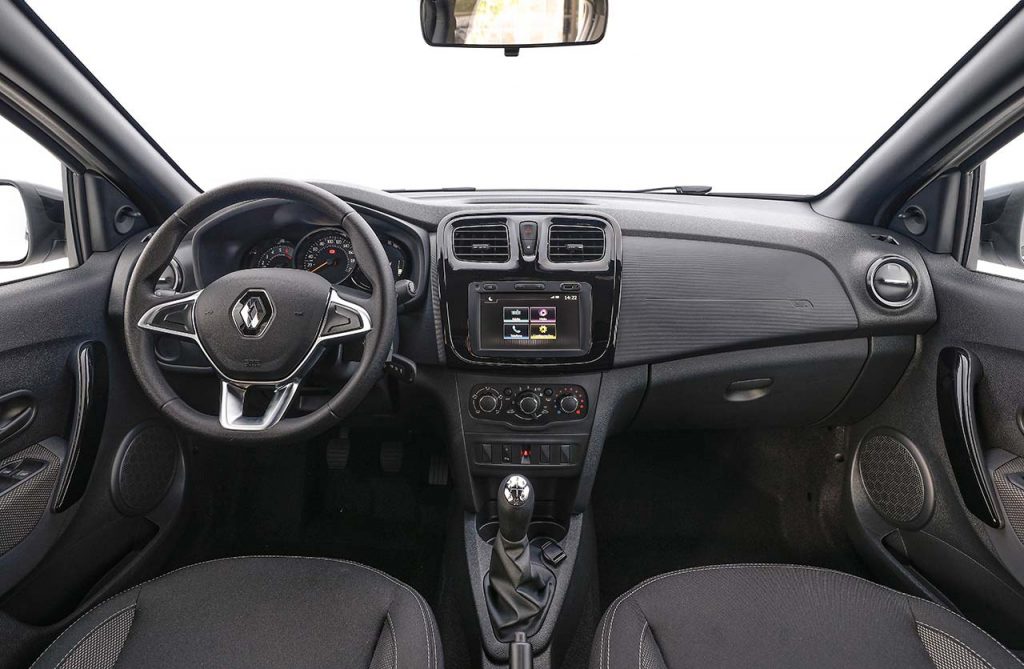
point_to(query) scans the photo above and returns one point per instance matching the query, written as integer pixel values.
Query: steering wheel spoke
(232, 406)
(346, 318)
(175, 317)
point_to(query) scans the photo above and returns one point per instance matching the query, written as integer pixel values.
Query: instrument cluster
(328, 252)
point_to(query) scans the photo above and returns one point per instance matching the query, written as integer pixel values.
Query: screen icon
(517, 314)
(542, 314)
(517, 331)
(543, 331)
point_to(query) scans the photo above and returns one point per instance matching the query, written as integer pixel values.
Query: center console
(528, 303)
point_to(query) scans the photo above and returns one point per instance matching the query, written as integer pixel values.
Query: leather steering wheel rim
(141, 300)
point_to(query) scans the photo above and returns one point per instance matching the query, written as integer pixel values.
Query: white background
(777, 96)
(764, 97)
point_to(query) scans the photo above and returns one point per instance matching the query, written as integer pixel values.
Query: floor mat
(671, 501)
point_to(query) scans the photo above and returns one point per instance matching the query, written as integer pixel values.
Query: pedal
(391, 456)
(338, 451)
(438, 472)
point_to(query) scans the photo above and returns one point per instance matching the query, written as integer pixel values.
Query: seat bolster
(952, 641)
(409, 619)
(635, 642)
(100, 633)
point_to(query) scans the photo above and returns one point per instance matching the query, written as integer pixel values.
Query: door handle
(89, 367)
(17, 411)
(956, 382)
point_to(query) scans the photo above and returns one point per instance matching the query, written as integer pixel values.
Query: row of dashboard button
(565, 287)
(526, 454)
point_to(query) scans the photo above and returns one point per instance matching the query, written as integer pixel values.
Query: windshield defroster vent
(481, 243)
(575, 243)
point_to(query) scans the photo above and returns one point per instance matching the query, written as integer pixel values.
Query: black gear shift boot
(518, 587)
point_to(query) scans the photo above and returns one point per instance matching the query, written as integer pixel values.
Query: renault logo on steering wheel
(252, 313)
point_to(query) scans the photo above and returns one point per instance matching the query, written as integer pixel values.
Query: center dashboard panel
(530, 290)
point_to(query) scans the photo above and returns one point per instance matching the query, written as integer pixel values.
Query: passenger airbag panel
(685, 296)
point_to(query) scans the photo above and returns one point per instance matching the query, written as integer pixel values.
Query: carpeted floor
(670, 501)
(253, 501)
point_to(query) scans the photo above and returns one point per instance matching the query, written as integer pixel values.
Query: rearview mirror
(512, 24)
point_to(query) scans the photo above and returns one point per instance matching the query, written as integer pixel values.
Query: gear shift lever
(518, 586)
(515, 507)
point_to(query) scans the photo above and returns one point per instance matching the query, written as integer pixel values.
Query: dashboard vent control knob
(893, 281)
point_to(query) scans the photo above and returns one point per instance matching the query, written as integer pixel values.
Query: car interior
(282, 423)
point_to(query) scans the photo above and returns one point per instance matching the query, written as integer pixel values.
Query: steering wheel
(261, 328)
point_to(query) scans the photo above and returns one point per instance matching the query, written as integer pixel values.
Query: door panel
(956, 550)
(64, 543)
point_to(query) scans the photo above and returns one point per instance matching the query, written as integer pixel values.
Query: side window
(1001, 240)
(32, 228)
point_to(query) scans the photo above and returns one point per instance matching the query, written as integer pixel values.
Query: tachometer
(327, 252)
(278, 255)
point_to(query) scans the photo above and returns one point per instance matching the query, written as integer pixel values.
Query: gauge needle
(320, 266)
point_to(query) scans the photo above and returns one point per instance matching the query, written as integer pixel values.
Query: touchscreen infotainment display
(538, 321)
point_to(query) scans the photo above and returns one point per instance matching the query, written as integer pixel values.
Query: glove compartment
(779, 386)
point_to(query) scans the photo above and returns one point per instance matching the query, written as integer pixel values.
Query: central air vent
(575, 243)
(481, 243)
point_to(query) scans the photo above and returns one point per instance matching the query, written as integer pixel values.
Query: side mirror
(31, 224)
(512, 25)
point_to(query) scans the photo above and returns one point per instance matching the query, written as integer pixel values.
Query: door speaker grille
(144, 468)
(893, 478)
(1011, 497)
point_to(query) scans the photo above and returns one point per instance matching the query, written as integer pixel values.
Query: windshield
(757, 97)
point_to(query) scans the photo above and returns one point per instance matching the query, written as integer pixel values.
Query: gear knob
(515, 507)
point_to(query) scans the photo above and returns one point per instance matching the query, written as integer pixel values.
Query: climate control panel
(529, 404)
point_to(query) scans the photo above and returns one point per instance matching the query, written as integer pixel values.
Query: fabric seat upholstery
(785, 616)
(256, 612)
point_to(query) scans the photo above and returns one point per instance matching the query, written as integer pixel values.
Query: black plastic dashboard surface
(684, 296)
(675, 304)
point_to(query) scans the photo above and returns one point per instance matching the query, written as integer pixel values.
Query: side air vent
(893, 281)
(481, 243)
(575, 243)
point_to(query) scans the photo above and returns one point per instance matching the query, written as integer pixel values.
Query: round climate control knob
(488, 403)
(529, 403)
(569, 403)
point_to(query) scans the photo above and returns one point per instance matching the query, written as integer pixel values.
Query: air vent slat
(575, 243)
(481, 243)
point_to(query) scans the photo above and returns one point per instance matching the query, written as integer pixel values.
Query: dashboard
(726, 311)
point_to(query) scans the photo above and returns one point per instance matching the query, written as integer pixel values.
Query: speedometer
(328, 253)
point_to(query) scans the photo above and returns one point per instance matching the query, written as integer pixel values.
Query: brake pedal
(391, 456)
(338, 451)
